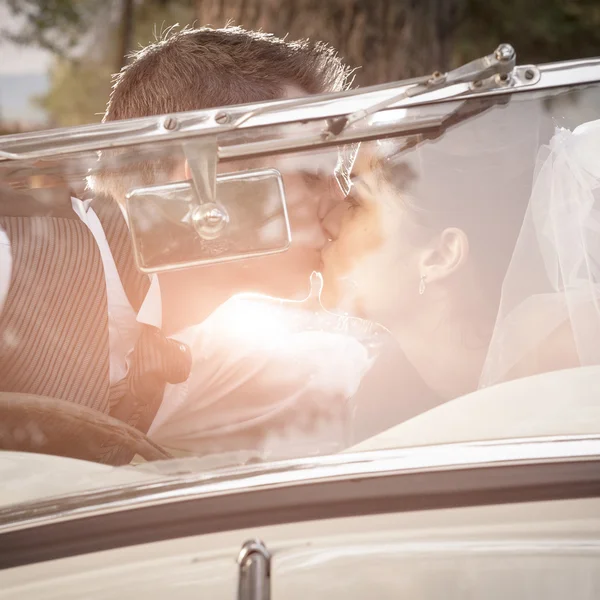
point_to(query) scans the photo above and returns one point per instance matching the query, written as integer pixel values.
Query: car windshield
(273, 291)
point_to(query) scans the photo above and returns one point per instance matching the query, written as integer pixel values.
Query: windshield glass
(413, 288)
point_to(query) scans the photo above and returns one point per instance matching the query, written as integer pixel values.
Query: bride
(481, 260)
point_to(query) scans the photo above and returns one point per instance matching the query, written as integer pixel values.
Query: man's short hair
(195, 69)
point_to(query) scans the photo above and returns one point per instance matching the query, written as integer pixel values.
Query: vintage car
(390, 491)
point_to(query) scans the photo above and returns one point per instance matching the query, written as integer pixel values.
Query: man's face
(311, 189)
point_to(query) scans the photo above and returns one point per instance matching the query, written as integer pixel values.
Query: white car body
(493, 495)
(520, 550)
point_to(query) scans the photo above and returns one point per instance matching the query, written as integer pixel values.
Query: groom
(258, 382)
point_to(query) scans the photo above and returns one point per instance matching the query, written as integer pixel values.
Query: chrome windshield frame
(66, 141)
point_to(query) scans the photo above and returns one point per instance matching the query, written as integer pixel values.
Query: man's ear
(445, 256)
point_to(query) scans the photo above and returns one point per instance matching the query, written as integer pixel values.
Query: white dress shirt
(122, 323)
(259, 383)
(5, 267)
(249, 369)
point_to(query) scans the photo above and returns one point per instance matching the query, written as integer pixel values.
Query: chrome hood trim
(177, 487)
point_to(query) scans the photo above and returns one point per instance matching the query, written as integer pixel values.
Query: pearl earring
(422, 285)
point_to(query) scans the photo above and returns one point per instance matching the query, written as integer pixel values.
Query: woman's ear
(446, 255)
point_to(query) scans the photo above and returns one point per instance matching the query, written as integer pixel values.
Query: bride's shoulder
(555, 352)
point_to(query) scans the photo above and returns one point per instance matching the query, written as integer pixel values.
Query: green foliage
(541, 30)
(79, 90)
(56, 25)
(153, 17)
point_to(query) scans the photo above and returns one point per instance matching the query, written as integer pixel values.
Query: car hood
(27, 476)
(553, 404)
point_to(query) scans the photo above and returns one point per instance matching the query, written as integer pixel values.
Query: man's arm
(255, 386)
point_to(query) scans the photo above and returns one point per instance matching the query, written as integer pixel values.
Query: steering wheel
(31, 423)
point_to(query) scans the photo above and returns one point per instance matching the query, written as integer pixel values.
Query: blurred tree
(541, 30)
(387, 39)
(52, 24)
(78, 92)
(126, 33)
(80, 86)
(70, 28)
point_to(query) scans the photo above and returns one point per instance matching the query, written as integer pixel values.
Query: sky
(23, 73)
(19, 60)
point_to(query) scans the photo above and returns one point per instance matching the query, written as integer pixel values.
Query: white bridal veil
(550, 303)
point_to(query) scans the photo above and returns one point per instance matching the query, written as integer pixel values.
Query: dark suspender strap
(136, 284)
(156, 360)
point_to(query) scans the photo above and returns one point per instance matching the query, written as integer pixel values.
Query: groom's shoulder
(36, 202)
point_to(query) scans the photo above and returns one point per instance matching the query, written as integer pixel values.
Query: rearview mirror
(169, 227)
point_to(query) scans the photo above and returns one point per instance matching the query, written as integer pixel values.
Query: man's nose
(333, 196)
(332, 221)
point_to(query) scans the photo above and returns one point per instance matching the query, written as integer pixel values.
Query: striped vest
(54, 324)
